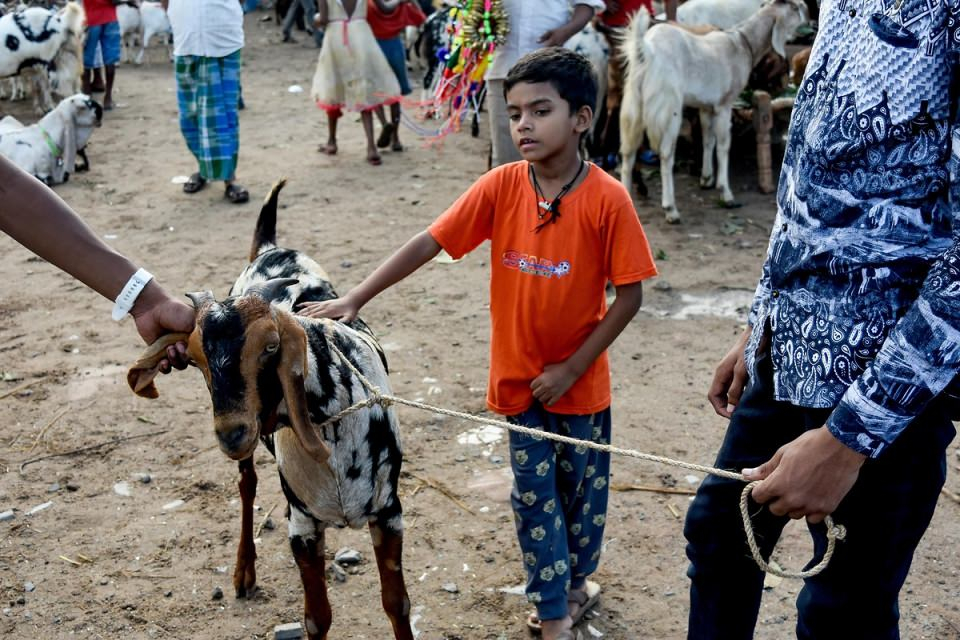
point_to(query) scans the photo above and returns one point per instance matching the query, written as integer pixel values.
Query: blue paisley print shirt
(860, 291)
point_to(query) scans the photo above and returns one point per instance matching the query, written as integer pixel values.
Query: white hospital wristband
(128, 295)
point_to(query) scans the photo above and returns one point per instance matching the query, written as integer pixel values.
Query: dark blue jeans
(886, 514)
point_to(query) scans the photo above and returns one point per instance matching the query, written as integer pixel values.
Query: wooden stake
(652, 489)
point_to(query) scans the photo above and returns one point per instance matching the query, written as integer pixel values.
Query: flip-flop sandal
(585, 600)
(375, 160)
(396, 147)
(329, 149)
(386, 135)
(236, 194)
(194, 183)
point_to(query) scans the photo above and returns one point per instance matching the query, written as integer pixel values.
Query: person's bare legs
(111, 71)
(331, 147)
(395, 144)
(373, 156)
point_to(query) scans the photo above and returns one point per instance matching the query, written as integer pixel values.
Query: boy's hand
(807, 477)
(555, 381)
(342, 309)
(156, 314)
(730, 378)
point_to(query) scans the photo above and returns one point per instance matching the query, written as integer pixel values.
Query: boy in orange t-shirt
(560, 228)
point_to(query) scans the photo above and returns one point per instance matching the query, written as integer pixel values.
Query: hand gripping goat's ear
(140, 376)
(293, 363)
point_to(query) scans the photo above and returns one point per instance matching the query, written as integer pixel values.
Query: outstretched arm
(37, 218)
(410, 257)
(557, 379)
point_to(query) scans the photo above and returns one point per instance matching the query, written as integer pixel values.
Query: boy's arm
(557, 379)
(410, 257)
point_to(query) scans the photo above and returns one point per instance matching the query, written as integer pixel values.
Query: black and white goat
(274, 377)
(39, 42)
(669, 67)
(49, 149)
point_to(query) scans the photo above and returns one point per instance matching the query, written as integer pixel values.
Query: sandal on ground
(386, 135)
(375, 160)
(236, 194)
(583, 600)
(329, 149)
(194, 183)
(396, 146)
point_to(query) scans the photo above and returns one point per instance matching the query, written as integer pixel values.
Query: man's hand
(155, 314)
(807, 477)
(343, 309)
(730, 378)
(555, 37)
(555, 381)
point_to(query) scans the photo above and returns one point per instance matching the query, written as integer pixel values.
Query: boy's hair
(570, 73)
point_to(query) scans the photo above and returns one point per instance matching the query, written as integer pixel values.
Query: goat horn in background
(271, 289)
(201, 299)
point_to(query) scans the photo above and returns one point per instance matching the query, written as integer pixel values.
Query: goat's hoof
(671, 215)
(245, 583)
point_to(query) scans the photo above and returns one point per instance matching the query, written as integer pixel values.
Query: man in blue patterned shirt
(834, 393)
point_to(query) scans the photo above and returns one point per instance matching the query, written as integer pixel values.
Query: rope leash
(835, 532)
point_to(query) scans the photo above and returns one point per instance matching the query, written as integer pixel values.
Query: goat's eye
(272, 347)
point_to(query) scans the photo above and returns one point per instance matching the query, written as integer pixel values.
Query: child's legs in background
(553, 498)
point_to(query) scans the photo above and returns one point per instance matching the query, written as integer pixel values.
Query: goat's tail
(631, 50)
(265, 235)
(73, 17)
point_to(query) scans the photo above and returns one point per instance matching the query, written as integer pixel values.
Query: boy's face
(541, 123)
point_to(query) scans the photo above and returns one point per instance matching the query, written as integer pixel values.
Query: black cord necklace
(552, 207)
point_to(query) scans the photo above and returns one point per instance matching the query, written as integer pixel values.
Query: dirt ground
(100, 564)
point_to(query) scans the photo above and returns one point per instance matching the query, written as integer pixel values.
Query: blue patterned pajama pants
(559, 503)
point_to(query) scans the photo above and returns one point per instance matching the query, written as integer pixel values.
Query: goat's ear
(68, 148)
(291, 371)
(141, 374)
(778, 39)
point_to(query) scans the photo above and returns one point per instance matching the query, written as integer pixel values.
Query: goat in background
(274, 377)
(669, 67)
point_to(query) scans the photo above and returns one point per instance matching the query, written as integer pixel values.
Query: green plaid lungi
(208, 92)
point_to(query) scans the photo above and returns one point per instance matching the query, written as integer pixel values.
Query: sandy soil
(97, 564)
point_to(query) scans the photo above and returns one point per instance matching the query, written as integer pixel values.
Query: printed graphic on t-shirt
(525, 263)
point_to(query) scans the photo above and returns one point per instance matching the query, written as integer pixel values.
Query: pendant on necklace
(543, 204)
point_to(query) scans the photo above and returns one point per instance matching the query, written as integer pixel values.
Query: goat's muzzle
(236, 435)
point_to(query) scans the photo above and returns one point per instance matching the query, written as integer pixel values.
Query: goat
(669, 67)
(34, 39)
(798, 66)
(722, 14)
(276, 376)
(49, 149)
(128, 17)
(142, 21)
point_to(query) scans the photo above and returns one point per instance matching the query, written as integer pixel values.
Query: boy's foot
(579, 601)
(386, 135)
(236, 194)
(374, 158)
(108, 105)
(194, 183)
(330, 148)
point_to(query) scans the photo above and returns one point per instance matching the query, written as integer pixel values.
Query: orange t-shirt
(547, 288)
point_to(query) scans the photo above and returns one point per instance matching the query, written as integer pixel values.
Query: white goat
(33, 41)
(722, 14)
(669, 67)
(155, 22)
(48, 149)
(128, 17)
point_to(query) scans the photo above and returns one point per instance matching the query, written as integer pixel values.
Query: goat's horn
(201, 298)
(271, 289)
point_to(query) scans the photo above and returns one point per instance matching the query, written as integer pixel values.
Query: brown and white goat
(274, 377)
(669, 68)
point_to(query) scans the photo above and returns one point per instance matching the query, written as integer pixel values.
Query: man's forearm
(37, 218)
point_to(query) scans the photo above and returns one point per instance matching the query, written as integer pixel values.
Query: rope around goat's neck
(835, 532)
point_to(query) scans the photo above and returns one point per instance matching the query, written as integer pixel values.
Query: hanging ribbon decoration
(478, 27)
